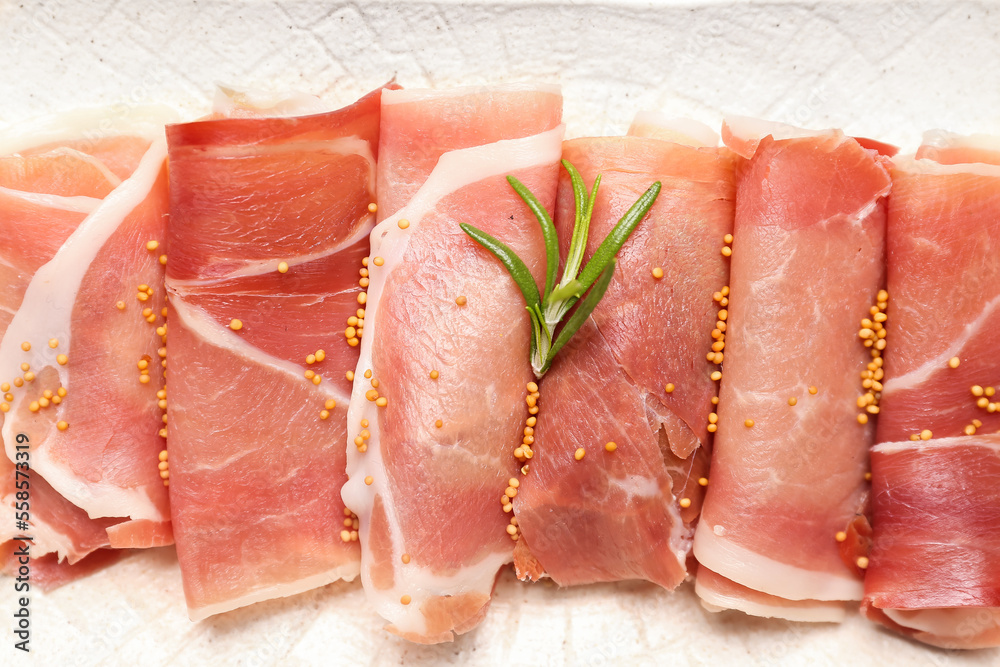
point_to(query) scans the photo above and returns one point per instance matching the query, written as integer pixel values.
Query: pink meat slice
(63, 283)
(49, 573)
(432, 528)
(120, 154)
(807, 262)
(247, 194)
(933, 573)
(935, 557)
(421, 126)
(944, 286)
(59, 172)
(616, 515)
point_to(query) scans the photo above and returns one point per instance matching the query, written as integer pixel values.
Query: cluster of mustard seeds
(507, 501)
(523, 453)
(356, 323)
(872, 334)
(145, 364)
(372, 394)
(350, 531)
(715, 354)
(361, 440)
(314, 358)
(984, 396)
(985, 399)
(48, 397)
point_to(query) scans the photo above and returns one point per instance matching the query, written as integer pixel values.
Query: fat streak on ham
(81, 195)
(429, 456)
(789, 462)
(270, 221)
(617, 515)
(935, 561)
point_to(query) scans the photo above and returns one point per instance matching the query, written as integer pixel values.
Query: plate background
(879, 69)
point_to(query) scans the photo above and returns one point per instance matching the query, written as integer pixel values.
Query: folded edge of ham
(808, 260)
(256, 467)
(432, 528)
(616, 515)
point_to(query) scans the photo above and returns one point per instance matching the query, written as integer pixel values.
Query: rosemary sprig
(548, 308)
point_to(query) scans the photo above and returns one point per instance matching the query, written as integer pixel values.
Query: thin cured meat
(935, 560)
(944, 282)
(789, 458)
(629, 513)
(81, 197)
(934, 570)
(439, 390)
(269, 221)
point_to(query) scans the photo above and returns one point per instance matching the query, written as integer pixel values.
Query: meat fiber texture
(255, 467)
(616, 515)
(807, 263)
(428, 467)
(81, 195)
(935, 559)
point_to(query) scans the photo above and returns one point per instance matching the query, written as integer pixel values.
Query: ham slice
(80, 197)
(270, 220)
(807, 263)
(934, 571)
(944, 282)
(935, 558)
(429, 456)
(617, 515)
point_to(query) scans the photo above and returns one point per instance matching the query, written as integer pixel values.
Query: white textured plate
(888, 71)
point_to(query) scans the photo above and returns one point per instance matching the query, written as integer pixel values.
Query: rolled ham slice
(944, 282)
(81, 196)
(935, 561)
(789, 459)
(270, 220)
(617, 515)
(439, 391)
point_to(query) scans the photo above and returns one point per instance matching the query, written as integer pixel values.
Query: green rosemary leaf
(548, 233)
(581, 224)
(515, 267)
(546, 310)
(590, 201)
(605, 254)
(580, 315)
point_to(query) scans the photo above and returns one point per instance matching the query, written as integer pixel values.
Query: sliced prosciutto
(935, 561)
(83, 206)
(790, 456)
(934, 569)
(629, 513)
(439, 391)
(269, 222)
(944, 283)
